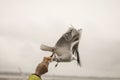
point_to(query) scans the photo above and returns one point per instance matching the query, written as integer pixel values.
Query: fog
(26, 24)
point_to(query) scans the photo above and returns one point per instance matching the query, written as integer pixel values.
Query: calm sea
(76, 78)
(24, 77)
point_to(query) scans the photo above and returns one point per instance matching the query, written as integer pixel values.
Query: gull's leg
(52, 54)
(56, 59)
(56, 64)
(64, 58)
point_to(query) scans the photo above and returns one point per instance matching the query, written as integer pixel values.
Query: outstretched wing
(75, 47)
(76, 52)
(64, 38)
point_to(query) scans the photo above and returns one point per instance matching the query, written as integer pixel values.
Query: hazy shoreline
(25, 75)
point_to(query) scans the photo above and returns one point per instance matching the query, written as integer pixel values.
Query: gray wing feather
(76, 52)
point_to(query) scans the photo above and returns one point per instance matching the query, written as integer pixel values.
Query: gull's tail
(47, 48)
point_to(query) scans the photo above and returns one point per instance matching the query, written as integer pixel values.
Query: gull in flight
(66, 48)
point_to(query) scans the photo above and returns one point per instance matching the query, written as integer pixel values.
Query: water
(76, 78)
(25, 77)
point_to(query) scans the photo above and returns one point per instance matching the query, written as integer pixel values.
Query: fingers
(43, 66)
(47, 59)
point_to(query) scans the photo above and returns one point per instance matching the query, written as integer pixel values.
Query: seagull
(66, 48)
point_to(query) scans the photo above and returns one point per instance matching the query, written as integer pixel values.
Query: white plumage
(66, 48)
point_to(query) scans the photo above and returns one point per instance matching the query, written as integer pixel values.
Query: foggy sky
(26, 24)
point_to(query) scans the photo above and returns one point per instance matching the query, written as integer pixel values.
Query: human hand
(42, 68)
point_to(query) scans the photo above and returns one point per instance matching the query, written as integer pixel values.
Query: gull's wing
(75, 47)
(76, 52)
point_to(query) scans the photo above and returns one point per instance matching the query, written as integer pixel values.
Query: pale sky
(26, 24)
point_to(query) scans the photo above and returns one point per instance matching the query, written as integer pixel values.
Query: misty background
(26, 24)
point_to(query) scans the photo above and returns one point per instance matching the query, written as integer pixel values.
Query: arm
(41, 69)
